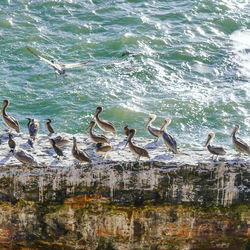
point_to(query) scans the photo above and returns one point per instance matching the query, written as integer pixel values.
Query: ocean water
(191, 63)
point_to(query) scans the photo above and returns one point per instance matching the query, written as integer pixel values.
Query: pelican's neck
(4, 108)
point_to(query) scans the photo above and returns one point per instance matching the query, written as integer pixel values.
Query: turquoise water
(191, 63)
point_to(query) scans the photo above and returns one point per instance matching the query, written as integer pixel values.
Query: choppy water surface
(191, 63)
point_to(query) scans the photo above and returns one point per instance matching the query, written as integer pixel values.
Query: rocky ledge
(166, 202)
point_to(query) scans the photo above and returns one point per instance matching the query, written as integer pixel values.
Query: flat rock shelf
(182, 201)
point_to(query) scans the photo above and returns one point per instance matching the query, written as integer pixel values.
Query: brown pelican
(95, 137)
(60, 141)
(79, 155)
(137, 151)
(106, 126)
(215, 150)
(103, 149)
(59, 68)
(9, 120)
(25, 157)
(126, 130)
(238, 143)
(11, 143)
(49, 127)
(168, 139)
(56, 148)
(152, 130)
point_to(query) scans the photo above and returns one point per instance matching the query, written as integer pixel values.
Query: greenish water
(192, 64)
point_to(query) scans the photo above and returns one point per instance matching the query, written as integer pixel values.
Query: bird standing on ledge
(11, 143)
(103, 149)
(215, 150)
(152, 130)
(238, 143)
(79, 155)
(56, 149)
(49, 127)
(95, 137)
(10, 121)
(104, 125)
(137, 151)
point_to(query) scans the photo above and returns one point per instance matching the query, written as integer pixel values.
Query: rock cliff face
(183, 201)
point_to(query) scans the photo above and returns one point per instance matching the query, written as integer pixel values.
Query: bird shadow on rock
(162, 157)
(152, 145)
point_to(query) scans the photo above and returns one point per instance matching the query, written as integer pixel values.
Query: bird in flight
(59, 68)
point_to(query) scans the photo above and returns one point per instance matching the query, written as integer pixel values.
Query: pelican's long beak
(149, 120)
(87, 128)
(208, 140)
(163, 125)
(234, 130)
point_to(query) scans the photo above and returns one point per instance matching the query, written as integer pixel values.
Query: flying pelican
(49, 127)
(103, 149)
(152, 130)
(11, 143)
(56, 148)
(79, 155)
(104, 125)
(238, 143)
(59, 68)
(137, 151)
(215, 150)
(95, 137)
(60, 141)
(25, 157)
(168, 139)
(9, 120)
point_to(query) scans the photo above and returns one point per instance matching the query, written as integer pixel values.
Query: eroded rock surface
(167, 201)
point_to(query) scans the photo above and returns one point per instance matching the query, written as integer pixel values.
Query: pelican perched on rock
(215, 150)
(49, 127)
(168, 139)
(59, 68)
(11, 143)
(238, 143)
(79, 155)
(33, 127)
(102, 149)
(58, 151)
(137, 151)
(152, 130)
(104, 125)
(95, 137)
(10, 121)
(25, 158)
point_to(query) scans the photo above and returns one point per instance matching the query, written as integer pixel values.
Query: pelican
(79, 155)
(49, 127)
(9, 120)
(168, 139)
(103, 149)
(137, 151)
(60, 141)
(56, 148)
(25, 157)
(95, 137)
(152, 130)
(238, 143)
(59, 68)
(33, 126)
(11, 143)
(215, 150)
(104, 125)
(126, 130)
